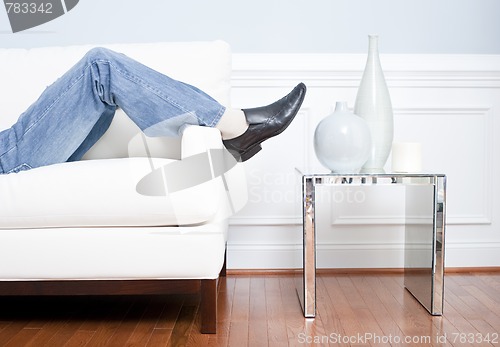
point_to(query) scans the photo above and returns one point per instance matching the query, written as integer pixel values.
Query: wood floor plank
(182, 327)
(454, 322)
(159, 337)
(297, 327)
(487, 315)
(70, 327)
(263, 310)
(475, 308)
(388, 327)
(484, 299)
(328, 312)
(276, 320)
(240, 312)
(467, 313)
(460, 319)
(11, 330)
(144, 329)
(22, 337)
(241, 300)
(289, 296)
(351, 292)
(345, 313)
(171, 309)
(489, 284)
(216, 341)
(79, 339)
(257, 315)
(327, 319)
(110, 322)
(129, 324)
(61, 320)
(225, 300)
(90, 316)
(396, 306)
(48, 331)
(224, 311)
(196, 339)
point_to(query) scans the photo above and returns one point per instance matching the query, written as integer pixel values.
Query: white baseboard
(364, 256)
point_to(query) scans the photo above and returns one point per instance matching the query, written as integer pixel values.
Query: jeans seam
(18, 168)
(217, 117)
(142, 83)
(47, 109)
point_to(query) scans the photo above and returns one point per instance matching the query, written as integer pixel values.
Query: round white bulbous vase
(342, 141)
(373, 103)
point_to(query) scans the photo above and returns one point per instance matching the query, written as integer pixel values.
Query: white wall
(449, 103)
(445, 99)
(278, 26)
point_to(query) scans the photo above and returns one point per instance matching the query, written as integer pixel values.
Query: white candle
(406, 157)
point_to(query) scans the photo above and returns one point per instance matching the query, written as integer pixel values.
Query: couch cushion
(101, 193)
(112, 253)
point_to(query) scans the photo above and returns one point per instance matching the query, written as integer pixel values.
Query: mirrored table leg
(424, 243)
(308, 294)
(438, 244)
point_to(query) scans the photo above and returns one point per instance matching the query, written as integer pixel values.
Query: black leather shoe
(264, 123)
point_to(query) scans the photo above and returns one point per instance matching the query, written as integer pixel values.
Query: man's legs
(74, 112)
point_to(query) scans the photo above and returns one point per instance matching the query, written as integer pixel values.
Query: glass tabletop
(328, 177)
(306, 172)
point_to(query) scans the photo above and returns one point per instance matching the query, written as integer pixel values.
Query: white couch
(89, 227)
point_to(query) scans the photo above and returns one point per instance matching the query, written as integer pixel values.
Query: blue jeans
(74, 112)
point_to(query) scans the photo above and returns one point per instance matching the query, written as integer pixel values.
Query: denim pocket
(22, 167)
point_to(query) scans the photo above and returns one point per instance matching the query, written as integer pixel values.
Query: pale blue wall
(278, 26)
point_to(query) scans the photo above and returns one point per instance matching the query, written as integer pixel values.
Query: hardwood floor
(263, 310)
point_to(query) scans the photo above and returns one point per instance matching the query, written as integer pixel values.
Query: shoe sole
(250, 153)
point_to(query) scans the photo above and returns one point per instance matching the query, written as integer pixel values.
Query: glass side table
(424, 233)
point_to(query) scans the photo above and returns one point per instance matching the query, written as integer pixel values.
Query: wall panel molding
(345, 70)
(447, 102)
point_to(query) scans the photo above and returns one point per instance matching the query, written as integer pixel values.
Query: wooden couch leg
(208, 306)
(223, 270)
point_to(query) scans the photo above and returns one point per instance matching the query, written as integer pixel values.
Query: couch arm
(197, 139)
(194, 140)
(203, 163)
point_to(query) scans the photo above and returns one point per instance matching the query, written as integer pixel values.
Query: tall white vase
(373, 103)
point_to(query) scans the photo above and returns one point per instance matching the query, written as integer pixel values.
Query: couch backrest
(25, 73)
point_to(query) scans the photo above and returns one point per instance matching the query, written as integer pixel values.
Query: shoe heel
(250, 153)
